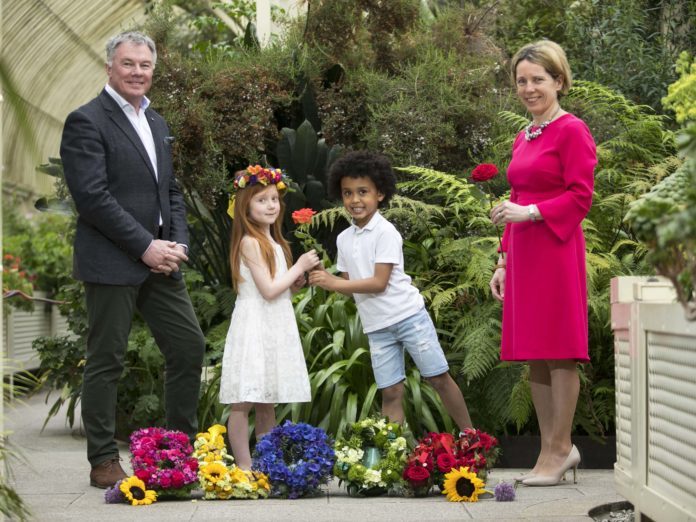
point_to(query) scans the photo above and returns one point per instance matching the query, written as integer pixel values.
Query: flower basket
(297, 458)
(370, 457)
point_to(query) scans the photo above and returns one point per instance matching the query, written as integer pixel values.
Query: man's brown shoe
(107, 473)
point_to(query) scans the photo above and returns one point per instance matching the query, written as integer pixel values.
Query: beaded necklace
(530, 134)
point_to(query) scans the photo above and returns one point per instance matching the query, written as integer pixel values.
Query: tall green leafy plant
(306, 159)
(665, 218)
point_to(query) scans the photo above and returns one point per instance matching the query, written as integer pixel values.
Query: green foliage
(665, 219)
(627, 45)
(12, 505)
(681, 95)
(62, 363)
(36, 254)
(306, 160)
(619, 44)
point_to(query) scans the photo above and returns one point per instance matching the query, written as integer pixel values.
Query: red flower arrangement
(437, 454)
(164, 460)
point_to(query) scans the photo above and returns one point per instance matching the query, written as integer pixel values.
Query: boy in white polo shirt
(392, 311)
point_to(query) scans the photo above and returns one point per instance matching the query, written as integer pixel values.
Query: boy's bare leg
(392, 402)
(452, 398)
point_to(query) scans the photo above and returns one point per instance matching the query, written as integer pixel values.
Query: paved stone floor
(54, 483)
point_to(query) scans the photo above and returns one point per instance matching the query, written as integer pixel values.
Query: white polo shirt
(359, 249)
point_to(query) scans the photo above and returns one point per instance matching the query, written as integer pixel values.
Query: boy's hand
(321, 278)
(298, 284)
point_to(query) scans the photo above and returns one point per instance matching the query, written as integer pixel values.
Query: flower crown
(256, 174)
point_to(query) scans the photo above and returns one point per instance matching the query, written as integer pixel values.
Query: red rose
(484, 172)
(445, 462)
(416, 475)
(303, 216)
(142, 474)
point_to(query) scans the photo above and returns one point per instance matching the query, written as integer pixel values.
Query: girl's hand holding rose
(308, 260)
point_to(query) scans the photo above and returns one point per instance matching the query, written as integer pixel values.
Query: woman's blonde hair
(550, 56)
(242, 226)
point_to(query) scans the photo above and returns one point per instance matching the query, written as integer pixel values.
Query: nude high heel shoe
(571, 462)
(522, 476)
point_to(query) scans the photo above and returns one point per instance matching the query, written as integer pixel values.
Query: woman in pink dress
(541, 277)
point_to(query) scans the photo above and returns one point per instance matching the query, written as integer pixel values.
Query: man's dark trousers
(164, 304)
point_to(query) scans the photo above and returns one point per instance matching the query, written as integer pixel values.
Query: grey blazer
(117, 196)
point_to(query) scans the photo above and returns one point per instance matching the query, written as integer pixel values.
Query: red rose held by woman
(484, 172)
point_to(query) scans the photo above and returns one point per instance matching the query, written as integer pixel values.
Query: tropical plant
(665, 218)
(306, 160)
(12, 505)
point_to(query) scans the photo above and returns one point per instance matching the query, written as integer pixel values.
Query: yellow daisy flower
(462, 485)
(134, 490)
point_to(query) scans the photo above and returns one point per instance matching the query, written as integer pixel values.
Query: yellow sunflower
(134, 490)
(462, 485)
(214, 472)
(239, 476)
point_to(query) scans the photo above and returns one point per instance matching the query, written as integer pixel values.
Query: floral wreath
(257, 175)
(162, 460)
(297, 458)
(219, 477)
(371, 456)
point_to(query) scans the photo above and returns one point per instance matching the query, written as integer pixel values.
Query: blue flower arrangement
(297, 458)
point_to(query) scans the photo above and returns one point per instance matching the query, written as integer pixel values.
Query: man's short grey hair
(133, 37)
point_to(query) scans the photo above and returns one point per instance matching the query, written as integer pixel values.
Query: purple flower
(504, 492)
(113, 495)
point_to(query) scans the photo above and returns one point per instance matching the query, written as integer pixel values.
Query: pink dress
(545, 302)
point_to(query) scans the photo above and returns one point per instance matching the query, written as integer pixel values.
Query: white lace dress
(263, 359)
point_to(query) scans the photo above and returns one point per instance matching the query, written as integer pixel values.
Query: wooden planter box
(655, 366)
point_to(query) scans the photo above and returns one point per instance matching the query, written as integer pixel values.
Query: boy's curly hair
(363, 164)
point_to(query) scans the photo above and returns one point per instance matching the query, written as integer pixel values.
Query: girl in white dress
(263, 363)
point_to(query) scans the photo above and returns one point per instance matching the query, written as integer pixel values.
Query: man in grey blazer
(130, 241)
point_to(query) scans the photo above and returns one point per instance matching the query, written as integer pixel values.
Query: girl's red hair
(242, 226)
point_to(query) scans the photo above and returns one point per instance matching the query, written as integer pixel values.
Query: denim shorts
(417, 335)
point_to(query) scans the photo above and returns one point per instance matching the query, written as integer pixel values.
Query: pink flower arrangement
(163, 459)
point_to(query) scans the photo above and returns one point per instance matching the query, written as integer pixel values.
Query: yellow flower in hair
(462, 485)
(281, 185)
(134, 490)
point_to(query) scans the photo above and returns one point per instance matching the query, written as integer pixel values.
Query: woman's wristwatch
(531, 210)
